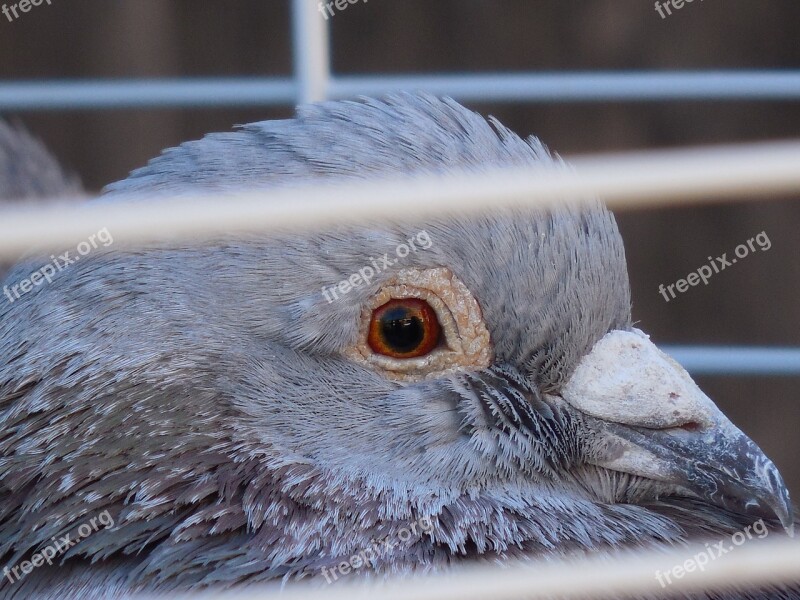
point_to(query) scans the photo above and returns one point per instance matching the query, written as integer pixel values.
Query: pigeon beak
(653, 421)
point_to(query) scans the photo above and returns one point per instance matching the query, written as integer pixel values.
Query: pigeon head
(266, 407)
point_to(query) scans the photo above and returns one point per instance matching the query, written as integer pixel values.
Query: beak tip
(782, 507)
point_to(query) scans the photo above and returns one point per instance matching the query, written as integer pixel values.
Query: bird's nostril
(691, 426)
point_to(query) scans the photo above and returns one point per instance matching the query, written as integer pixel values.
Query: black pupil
(402, 331)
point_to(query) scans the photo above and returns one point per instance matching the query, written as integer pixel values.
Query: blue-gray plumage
(28, 173)
(240, 427)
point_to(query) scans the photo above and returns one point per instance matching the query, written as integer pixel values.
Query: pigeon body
(240, 425)
(29, 173)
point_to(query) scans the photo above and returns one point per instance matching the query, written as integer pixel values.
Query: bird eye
(404, 328)
(421, 323)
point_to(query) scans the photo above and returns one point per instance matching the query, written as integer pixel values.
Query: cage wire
(637, 180)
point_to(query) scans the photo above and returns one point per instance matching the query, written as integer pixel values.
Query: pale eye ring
(422, 323)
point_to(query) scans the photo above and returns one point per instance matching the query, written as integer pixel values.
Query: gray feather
(201, 396)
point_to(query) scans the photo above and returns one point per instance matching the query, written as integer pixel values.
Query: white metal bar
(736, 360)
(53, 94)
(626, 86)
(634, 180)
(311, 50)
(587, 86)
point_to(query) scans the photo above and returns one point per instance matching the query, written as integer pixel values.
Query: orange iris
(404, 328)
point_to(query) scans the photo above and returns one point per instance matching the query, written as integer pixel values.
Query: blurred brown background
(754, 302)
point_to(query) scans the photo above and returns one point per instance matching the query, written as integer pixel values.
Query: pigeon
(369, 401)
(30, 174)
